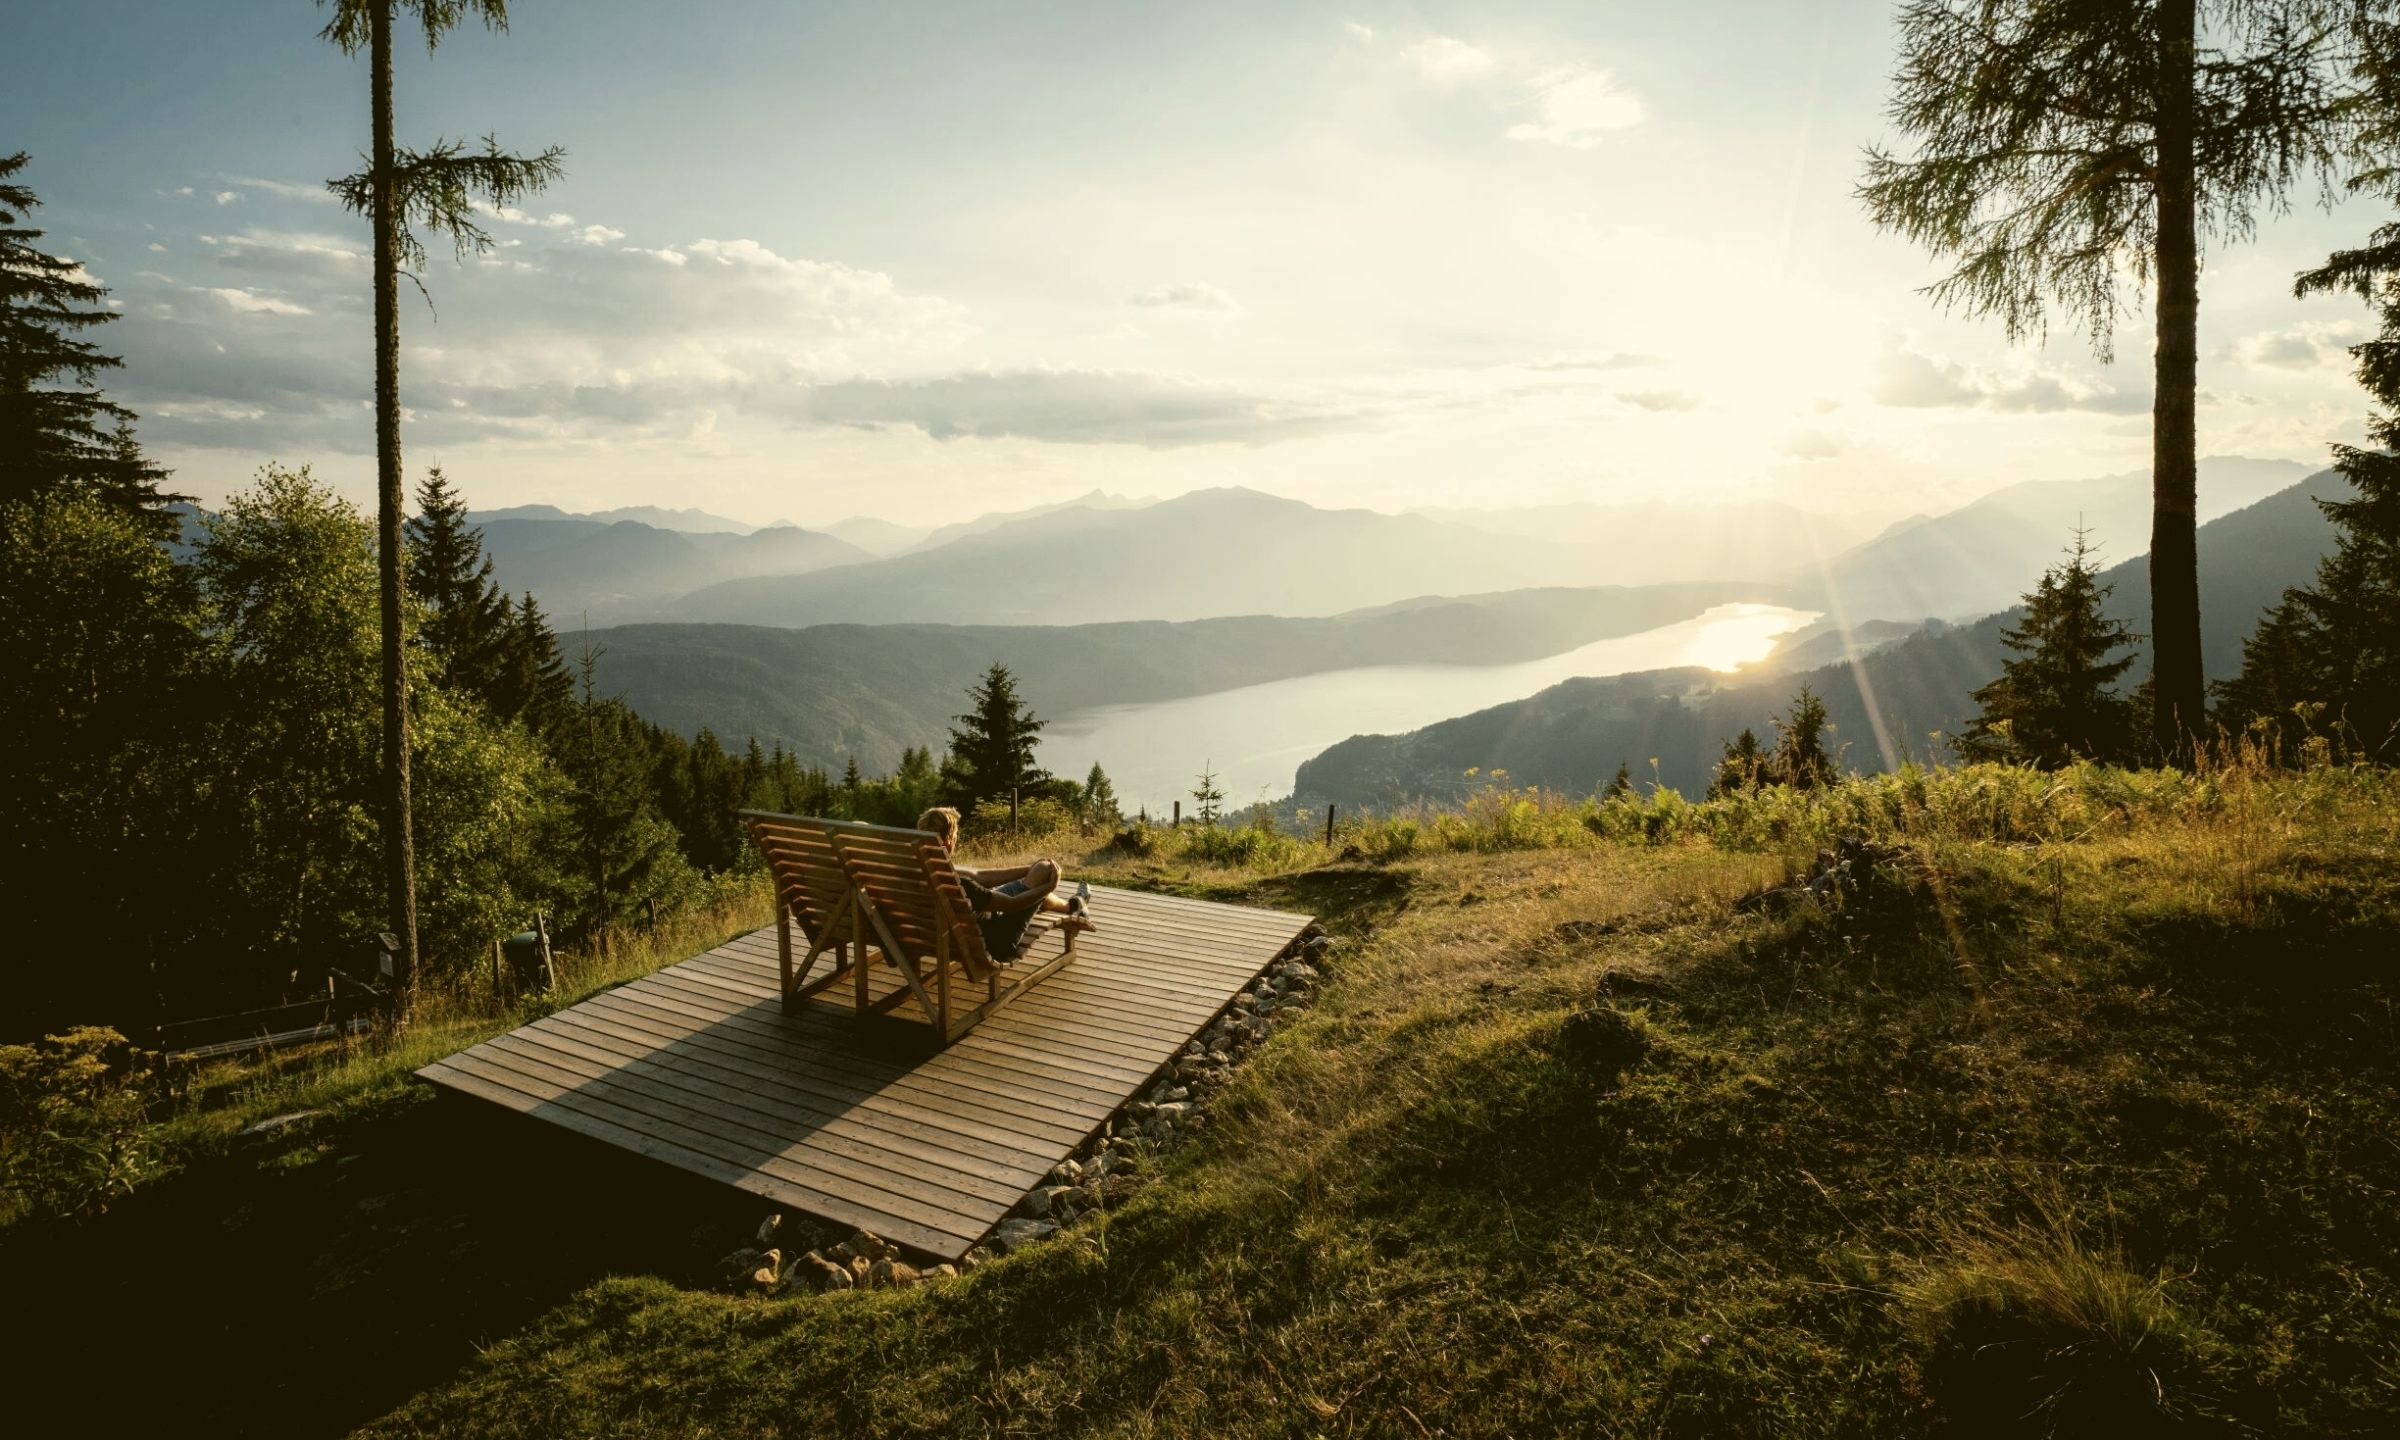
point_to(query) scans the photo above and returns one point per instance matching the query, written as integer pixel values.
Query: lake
(1255, 737)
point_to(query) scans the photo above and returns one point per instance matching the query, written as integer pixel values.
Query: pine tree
(626, 849)
(992, 746)
(400, 189)
(467, 620)
(2056, 703)
(1208, 801)
(1801, 759)
(51, 437)
(850, 778)
(1622, 782)
(1100, 810)
(2064, 145)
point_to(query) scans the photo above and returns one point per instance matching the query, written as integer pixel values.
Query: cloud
(1078, 407)
(2315, 345)
(1908, 379)
(1809, 445)
(227, 197)
(1358, 31)
(1577, 108)
(1622, 360)
(1189, 296)
(598, 234)
(250, 302)
(1445, 62)
(1659, 400)
(315, 194)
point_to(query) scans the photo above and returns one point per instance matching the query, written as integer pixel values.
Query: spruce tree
(1801, 758)
(51, 436)
(992, 745)
(2056, 702)
(399, 190)
(467, 620)
(1100, 810)
(2064, 146)
(1622, 782)
(1208, 800)
(531, 682)
(1741, 769)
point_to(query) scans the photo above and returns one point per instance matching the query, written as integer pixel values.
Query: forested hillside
(832, 693)
(1885, 709)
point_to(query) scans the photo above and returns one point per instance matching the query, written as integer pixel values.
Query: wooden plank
(699, 1065)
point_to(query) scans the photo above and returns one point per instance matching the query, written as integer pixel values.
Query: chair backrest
(906, 877)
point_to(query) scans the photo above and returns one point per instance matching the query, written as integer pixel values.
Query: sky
(923, 261)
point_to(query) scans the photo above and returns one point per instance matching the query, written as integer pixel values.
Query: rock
(942, 1272)
(859, 1266)
(1602, 1038)
(1222, 1043)
(1015, 1235)
(767, 1229)
(890, 1274)
(741, 1262)
(1244, 1000)
(769, 1273)
(1173, 1112)
(1100, 1165)
(975, 1256)
(1303, 973)
(821, 1274)
(1067, 1172)
(867, 1243)
(1318, 947)
(1041, 1200)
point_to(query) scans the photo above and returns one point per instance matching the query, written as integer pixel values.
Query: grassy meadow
(2075, 1117)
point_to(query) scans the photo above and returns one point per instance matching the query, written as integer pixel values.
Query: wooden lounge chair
(863, 892)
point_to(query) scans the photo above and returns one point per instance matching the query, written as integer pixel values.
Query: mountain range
(1886, 706)
(1103, 558)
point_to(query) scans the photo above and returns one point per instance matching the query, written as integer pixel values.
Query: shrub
(73, 1123)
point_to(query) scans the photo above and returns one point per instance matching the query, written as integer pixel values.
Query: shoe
(1079, 913)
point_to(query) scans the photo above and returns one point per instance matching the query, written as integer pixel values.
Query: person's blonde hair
(942, 821)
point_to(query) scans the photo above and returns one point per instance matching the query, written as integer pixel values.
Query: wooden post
(1329, 827)
(1012, 812)
(650, 904)
(1179, 814)
(495, 967)
(783, 944)
(541, 931)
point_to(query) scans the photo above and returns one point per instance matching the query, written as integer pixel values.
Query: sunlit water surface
(1256, 737)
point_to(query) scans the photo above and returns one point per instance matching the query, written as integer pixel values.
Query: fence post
(1012, 812)
(495, 967)
(1329, 827)
(1179, 814)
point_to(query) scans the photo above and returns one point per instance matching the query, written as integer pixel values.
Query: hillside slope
(610, 570)
(1885, 709)
(2089, 1136)
(831, 692)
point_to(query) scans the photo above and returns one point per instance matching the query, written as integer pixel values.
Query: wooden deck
(865, 1123)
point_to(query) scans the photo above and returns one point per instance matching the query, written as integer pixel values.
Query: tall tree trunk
(2174, 443)
(399, 843)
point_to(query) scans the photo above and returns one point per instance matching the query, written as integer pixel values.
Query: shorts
(1004, 932)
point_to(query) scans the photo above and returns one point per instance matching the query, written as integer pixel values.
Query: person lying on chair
(1006, 899)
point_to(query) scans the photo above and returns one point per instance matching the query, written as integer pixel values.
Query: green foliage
(992, 745)
(101, 648)
(2056, 702)
(51, 440)
(74, 1124)
(468, 624)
